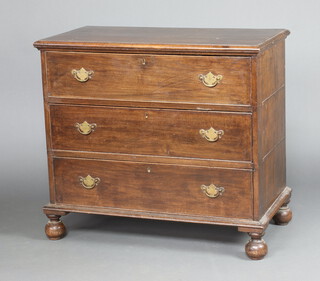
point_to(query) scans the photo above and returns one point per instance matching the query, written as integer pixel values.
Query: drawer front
(153, 187)
(178, 133)
(165, 78)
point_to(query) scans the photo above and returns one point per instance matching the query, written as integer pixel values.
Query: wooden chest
(170, 124)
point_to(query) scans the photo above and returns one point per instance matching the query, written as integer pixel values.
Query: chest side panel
(271, 124)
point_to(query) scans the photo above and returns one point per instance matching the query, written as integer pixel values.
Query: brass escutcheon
(85, 128)
(211, 134)
(211, 190)
(210, 80)
(89, 182)
(82, 75)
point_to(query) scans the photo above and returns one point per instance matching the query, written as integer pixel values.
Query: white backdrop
(23, 168)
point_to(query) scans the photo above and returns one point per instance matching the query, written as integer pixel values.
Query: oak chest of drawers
(170, 124)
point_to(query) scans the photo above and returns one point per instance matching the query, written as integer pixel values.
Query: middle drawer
(177, 133)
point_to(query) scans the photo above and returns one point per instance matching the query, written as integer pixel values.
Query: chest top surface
(164, 39)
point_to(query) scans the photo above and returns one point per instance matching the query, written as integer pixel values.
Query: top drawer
(149, 78)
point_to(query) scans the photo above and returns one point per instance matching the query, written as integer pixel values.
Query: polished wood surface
(243, 225)
(55, 229)
(154, 187)
(270, 127)
(256, 248)
(153, 159)
(152, 132)
(163, 79)
(148, 104)
(158, 40)
(284, 215)
(271, 71)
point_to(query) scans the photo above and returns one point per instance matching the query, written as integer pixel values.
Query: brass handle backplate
(211, 134)
(210, 80)
(85, 128)
(212, 191)
(89, 182)
(82, 75)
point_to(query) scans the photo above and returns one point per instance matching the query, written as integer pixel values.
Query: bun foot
(256, 248)
(55, 228)
(283, 216)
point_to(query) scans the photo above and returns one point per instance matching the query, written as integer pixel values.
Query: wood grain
(165, 40)
(186, 161)
(271, 64)
(150, 187)
(273, 121)
(270, 126)
(273, 176)
(152, 132)
(149, 104)
(161, 79)
(244, 225)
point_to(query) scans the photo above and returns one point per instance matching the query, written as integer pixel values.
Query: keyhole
(149, 170)
(146, 115)
(143, 62)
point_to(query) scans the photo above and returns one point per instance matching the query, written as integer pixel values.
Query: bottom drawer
(153, 187)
